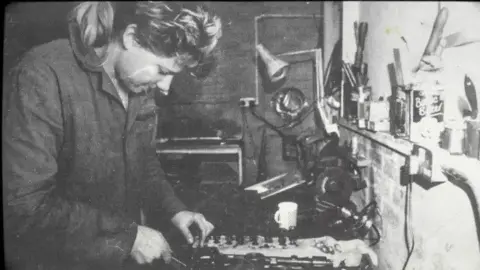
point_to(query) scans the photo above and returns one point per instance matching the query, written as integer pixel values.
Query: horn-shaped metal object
(276, 68)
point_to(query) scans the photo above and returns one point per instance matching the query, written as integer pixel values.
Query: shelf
(442, 160)
(401, 146)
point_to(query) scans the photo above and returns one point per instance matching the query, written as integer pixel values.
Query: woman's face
(139, 69)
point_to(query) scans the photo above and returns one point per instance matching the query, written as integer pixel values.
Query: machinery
(270, 252)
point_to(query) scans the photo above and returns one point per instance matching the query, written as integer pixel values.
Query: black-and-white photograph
(289, 135)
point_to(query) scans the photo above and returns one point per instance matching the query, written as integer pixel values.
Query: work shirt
(78, 166)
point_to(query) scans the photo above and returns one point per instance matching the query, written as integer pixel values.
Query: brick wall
(444, 227)
(442, 217)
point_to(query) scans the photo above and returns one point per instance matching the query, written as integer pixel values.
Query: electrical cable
(296, 122)
(377, 211)
(377, 232)
(300, 149)
(270, 125)
(290, 124)
(366, 208)
(408, 202)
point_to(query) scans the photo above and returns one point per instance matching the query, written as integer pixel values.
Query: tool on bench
(356, 105)
(177, 264)
(359, 67)
(401, 99)
(360, 36)
(307, 253)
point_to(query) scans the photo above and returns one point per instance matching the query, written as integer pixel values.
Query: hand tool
(349, 74)
(471, 94)
(398, 67)
(363, 29)
(355, 28)
(462, 38)
(399, 121)
(364, 72)
(437, 31)
(360, 36)
(177, 264)
(435, 35)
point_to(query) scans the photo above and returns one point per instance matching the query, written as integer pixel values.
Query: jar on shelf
(453, 137)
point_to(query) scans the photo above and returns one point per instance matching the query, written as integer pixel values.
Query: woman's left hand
(183, 219)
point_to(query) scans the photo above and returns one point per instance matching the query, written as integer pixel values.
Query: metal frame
(267, 16)
(319, 93)
(221, 149)
(226, 148)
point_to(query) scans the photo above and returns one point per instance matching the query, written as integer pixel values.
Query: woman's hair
(164, 28)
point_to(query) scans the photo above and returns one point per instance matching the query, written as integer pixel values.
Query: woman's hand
(150, 245)
(183, 219)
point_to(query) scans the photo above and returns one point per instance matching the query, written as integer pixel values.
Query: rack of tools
(356, 75)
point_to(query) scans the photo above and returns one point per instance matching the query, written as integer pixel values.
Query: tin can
(400, 112)
(354, 147)
(427, 104)
(453, 137)
(473, 139)
(427, 109)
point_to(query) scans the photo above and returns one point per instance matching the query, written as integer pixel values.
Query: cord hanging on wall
(290, 104)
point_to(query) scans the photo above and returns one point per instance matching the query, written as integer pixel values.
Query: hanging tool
(360, 68)
(432, 47)
(360, 36)
(357, 76)
(349, 74)
(462, 38)
(437, 32)
(177, 264)
(357, 42)
(471, 94)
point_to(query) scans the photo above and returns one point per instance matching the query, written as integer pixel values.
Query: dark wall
(235, 75)
(29, 24)
(212, 101)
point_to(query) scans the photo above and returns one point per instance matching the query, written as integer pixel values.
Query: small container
(362, 107)
(427, 109)
(472, 139)
(354, 146)
(453, 137)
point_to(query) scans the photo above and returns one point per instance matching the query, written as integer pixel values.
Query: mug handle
(276, 217)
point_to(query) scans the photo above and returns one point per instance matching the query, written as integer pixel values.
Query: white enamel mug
(286, 215)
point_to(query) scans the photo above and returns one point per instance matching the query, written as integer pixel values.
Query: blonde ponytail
(95, 21)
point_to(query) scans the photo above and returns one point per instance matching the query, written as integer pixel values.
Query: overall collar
(87, 56)
(89, 60)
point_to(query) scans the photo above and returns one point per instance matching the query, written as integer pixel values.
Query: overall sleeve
(161, 195)
(36, 208)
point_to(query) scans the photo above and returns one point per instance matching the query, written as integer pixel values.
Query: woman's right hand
(150, 245)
